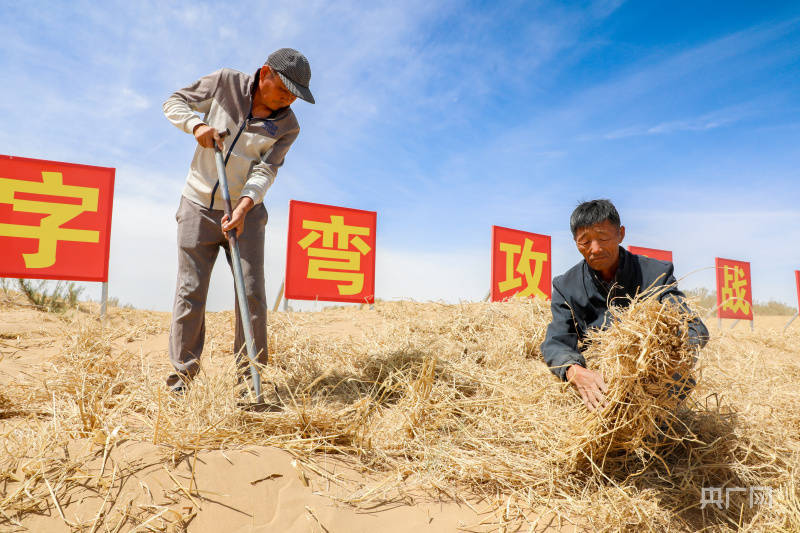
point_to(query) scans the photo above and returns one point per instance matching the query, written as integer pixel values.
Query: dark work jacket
(581, 299)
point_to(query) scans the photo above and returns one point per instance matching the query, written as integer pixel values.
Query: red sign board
(520, 265)
(55, 219)
(734, 290)
(330, 254)
(797, 281)
(653, 253)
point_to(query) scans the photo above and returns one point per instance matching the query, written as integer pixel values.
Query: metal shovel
(238, 277)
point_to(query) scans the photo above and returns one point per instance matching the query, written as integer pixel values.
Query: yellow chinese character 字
(328, 261)
(49, 230)
(533, 276)
(734, 289)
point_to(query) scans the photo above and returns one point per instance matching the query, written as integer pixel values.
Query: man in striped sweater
(255, 109)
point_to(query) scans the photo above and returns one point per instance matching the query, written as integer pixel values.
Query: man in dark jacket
(608, 275)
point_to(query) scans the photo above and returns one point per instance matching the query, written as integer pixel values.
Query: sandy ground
(258, 489)
(255, 489)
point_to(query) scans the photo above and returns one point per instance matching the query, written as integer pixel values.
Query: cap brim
(298, 90)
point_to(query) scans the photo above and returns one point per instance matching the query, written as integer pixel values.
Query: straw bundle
(647, 364)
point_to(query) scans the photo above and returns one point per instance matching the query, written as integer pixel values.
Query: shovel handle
(238, 277)
(224, 181)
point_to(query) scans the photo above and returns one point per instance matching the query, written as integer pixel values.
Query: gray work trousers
(200, 237)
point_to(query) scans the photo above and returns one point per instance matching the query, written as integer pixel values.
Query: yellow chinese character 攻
(734, 290)
(328, 261)
(49, 230)
(523, 267)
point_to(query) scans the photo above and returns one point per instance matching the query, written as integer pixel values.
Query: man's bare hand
(206, 136)
(237, 220)
(590, 385)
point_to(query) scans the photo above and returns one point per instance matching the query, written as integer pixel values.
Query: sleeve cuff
(192, 123)
(563, 369)
(253, 194)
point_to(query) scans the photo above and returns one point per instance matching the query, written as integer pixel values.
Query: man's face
(599, 244)
(272, 92)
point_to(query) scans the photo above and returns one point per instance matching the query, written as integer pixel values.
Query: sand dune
(408, 417)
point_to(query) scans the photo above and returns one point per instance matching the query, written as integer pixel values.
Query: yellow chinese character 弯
(49, 230)
(328, 261)
(523, 266)
(734, 290)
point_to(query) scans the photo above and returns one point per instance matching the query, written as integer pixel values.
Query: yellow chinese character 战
(523, 267)
(49, 230)
(328, 261)
(734, 289)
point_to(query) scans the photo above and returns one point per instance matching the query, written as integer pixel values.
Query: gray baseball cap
(294, 71)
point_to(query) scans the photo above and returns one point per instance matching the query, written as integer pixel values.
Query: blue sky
(445, 118)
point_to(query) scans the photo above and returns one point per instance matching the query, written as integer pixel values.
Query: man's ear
(621, 233)
(265, 71)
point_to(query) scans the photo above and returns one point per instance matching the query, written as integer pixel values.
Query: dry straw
(649, 362)
(432, 399)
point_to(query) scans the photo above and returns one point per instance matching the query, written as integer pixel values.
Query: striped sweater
(254, 149)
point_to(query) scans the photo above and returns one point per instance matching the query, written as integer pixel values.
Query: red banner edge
(103, 278)
(287, 294)
(84, 165)
(493, 279)
(492, 295)
(717, 261)
(366, 299)
(108, 225)
(797, 282)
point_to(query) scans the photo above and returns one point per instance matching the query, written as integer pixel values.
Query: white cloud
(132, 99)
(450, 276)
(704, 122)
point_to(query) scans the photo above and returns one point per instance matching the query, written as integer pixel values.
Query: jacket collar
(623, 278)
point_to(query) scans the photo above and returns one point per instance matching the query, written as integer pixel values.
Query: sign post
(520, 265)
(55, 220)
(279, 297)
(103, 299)
(330, 253)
